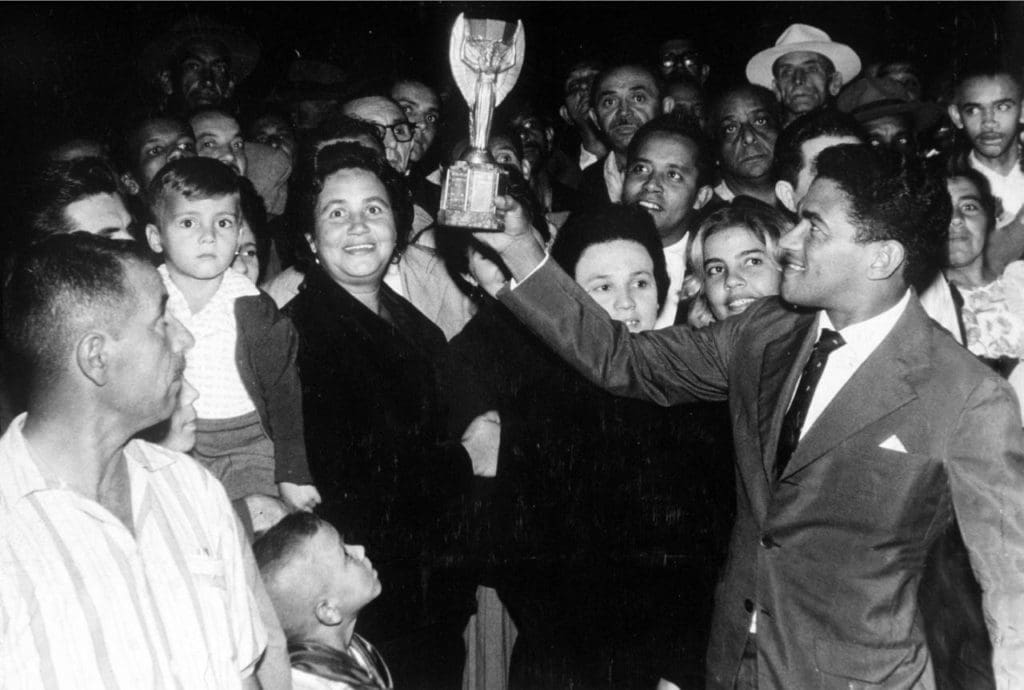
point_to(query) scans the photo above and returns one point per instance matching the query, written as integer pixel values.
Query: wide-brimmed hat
(799, 38)
(243, 48)
(870, 98)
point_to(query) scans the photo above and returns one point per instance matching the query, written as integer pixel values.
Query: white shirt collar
(863, 337)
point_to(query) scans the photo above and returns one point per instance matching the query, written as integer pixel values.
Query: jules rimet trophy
(486, 56)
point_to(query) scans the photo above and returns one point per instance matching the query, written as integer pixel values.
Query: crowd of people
(731, 401)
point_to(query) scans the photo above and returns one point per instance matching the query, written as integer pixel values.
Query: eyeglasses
(402, 131)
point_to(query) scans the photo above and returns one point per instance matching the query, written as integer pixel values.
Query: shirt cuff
(513, 283)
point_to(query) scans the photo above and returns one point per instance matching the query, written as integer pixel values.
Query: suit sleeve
(986, 473)
(668, 366)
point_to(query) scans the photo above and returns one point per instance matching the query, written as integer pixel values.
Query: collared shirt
(1008, 188)
(861, 339)
(675, 264)
(586, 158)
(937, 301)
(84, 603)
(210, 365)
(613, 178)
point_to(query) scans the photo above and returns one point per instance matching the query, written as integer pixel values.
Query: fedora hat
(243, 48)
(869, 98)
(803, 38)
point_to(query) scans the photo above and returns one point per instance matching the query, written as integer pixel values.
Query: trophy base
(467, 197)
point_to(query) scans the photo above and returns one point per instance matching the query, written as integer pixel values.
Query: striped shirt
(84, 603)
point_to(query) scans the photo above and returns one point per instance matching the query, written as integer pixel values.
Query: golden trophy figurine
(486, 57)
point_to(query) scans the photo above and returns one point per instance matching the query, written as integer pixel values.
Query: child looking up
(249, 430)
(318, 584)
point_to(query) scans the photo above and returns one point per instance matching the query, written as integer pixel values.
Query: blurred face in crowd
(662, 179)
(158, 142)
(738, 270)
(576, 94)
(218, 136)
(204, 77)
(422, 109)
(100, 214)
(78, 148)
(392, 127)
(969, 225)
(619, 276)
(535, 137)
(355, 229)
(906, 74)
(504, 151)
(804, 81)
(687, 99)
(988, 110)
(626, 98)
(893, 132)
(275, 131)
(247, 260)
(681, 56)
(746, 130)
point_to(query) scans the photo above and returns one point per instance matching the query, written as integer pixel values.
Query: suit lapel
(880, 386)
(781, 365)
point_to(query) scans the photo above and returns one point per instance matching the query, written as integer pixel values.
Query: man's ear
(784, 192)
(328, 613)
(563, 113)
(231, 88)
(549, 135)
(954, 115)
(153, 238)
(593, 119)
(835, 83)
(93, 358)
(704, 195)
(527, 167)
(705, 71)
(166, 82)
(888, 258)
(668, 104)
(130, 184)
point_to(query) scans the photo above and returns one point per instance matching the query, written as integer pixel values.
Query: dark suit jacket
(831, 555)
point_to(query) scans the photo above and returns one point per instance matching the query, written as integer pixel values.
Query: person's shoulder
(303, 680)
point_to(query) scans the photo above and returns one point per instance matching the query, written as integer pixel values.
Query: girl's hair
(767, 224)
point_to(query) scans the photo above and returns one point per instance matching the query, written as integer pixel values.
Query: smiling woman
(373, 422)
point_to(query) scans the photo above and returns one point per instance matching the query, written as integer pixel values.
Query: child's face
(247, 260)
(352, 581)
(737, 271)
(198, 237)
(181, 433)
(157, 143)
(218, 136)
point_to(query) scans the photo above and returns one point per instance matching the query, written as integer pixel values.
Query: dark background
(70, 69)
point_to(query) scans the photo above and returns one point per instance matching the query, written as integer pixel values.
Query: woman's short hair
(767, 223)
(585, 229)
(349, 156)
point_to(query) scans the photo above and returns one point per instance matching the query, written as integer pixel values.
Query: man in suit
(889, 438)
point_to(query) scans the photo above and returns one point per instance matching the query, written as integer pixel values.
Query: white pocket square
(893, 443)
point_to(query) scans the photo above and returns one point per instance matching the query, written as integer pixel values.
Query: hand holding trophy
(486, 58)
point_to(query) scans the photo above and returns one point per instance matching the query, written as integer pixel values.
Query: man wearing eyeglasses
(391, 124)
(681, 57)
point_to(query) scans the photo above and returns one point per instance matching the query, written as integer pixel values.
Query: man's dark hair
(889, 200)
(60, 184)
(194, 178)
(347, 155)
(282, 542)
(58, 288)
(789, 158)
(614, 222)
(678, 125)
(987, 68)
(767, 98)
(603, 74)
(333, 128)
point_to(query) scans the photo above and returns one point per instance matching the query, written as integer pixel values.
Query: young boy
(987, 108)
(249, 431)
(318, 585)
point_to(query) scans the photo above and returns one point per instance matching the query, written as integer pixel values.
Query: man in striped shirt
(120, 561)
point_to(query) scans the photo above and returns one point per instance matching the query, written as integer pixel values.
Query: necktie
(794, 421)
